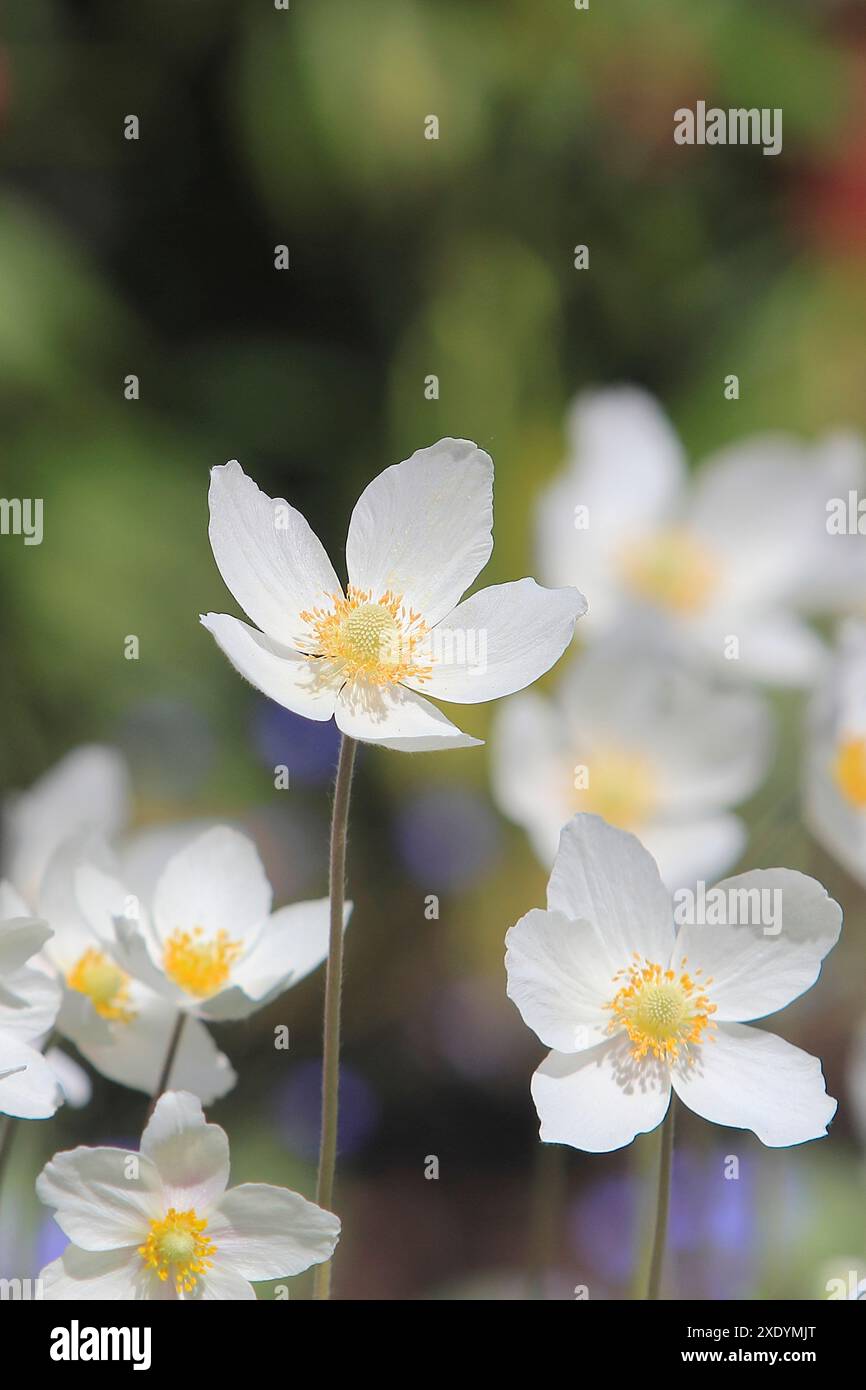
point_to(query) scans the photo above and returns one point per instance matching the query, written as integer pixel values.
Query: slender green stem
(666, 1158)
(333, 995)
(168, 1064)
(548, 1192)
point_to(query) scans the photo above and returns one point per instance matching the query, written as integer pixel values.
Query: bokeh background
(408, 257)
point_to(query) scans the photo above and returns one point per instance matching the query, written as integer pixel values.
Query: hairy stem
(333, 997)
(663, 1202)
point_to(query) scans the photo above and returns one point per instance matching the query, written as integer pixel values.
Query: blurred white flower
(163, 1223)
(120, 1025)
(633, 1008)
(29, 1001)
(834, 778)
(208, 943)
(726, 555)
(88, 790)
(73, 1080)
(836, 582)
(419, 535)
(641, 741)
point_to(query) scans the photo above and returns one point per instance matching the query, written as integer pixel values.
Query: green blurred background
(408, 257)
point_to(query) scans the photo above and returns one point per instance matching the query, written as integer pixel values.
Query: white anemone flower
(418, 537)
(86, 791)
(645, 743)
(164, 1224)
(633, 1007)
(717, 562)
(834, 779)
(836, 583)
(29, 1001)
(208, 944)
(118, 1024)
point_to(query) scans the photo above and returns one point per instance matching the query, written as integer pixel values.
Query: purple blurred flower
(711, 1232)
(447, 838)
(307, 747)
(298, 1109)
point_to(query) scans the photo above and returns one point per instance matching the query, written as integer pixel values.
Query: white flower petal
(88, 789)
(107, 1276)
(749, 1079)
(270, 559)
(191, 1155)
(559, 978)
(103, 1198)
(422, 528)
(627, 466)
(530, 762)
(757, 969)
(776, 647)
(75, 928)
(31, 1004)
(599, 1100)
(267, 1232)
(11, 902)
(700, 848)
(500, 640)
(605, 876)
(229, 1005)
(293, 681)
(217, 883)
(753, 503)
(292, 944)
(145, 853)
(136, 1052)
(396, 718)
(20, 939)
(72, 1079)
(223, 1283)
(28, 1088)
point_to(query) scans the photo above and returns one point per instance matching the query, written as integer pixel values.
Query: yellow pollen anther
(671, 569)
(662, 1012)
(105, 984)
(177, 1248)
(849, 771)
(619, 786)
(198, 964)
(378, 640)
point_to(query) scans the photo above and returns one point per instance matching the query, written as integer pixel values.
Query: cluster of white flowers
(85, 959)
(695, 585)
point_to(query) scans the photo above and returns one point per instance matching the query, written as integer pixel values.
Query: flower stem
(333, 993)
(548, 1193)
(168, 1064)
(666, 1158)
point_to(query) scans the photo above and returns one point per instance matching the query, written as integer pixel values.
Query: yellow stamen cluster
(177, 1248)
(849, 771)
(105, 984)
(378, 640)
(673, 570)
(662, 1012)
(200, 965)
(620, 787)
